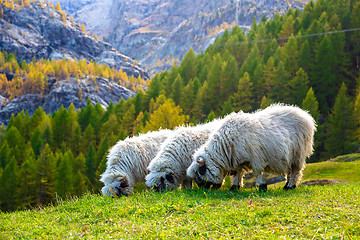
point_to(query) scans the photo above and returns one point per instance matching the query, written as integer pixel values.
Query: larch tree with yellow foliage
(167, 115)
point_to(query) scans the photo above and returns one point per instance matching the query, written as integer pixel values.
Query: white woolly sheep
(277, 139)
(168, 169)
(128, 160)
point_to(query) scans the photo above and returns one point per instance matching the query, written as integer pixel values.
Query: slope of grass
(341, 170)
(328, 212)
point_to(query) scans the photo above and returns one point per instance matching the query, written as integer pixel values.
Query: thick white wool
(175, 155)
(130, 158)
(277, 139)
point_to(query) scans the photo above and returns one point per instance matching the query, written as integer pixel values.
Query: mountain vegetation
(33, 77)
(307, 58)
(159, 33)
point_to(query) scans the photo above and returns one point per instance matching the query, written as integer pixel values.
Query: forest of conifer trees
(309, 58)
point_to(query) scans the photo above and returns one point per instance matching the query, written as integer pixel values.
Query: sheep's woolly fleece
(128, 161)
(168, 169)
(277, 139)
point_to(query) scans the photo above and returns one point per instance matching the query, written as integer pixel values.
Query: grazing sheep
(277, 139)
(168, 169)
(128, 160)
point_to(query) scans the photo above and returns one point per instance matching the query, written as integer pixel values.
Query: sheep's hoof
(263, 187)
(234, 187)
(286, 187)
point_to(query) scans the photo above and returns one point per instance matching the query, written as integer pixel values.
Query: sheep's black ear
(124, 183)
(170, 177)
(202, 169)
(162, 179)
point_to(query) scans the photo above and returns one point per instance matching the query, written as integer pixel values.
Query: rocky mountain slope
(41, 31)
(65, 92)
(160, 32)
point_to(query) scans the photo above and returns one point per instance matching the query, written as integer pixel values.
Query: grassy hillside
(345, 168)
(318, 212)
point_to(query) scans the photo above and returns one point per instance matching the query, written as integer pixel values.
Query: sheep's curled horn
(202, 168)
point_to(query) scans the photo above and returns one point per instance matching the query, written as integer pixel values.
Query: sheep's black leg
(263, 187)
(234, 187)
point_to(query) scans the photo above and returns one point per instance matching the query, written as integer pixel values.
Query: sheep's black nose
(202, 170)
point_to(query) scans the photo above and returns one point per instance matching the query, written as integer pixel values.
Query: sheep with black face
(128, 161)
(277, 139)
(167, 171)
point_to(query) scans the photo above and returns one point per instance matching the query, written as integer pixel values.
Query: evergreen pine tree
(265, 102)
(79, 176)
(102, 151)
(177, 88)
(87, 139)
(210, 117)
(226, 108)
(61, 126)
(298, 87)
(169, 81)
(85, 115)
(45, 176)
(280, 92)
(340, 126)
(138, 101)
(64, 178)
(9, 186)
(187, 99)
(17, 143)
(128, 120)
(37, 118)
(311, 104)
(5, 154)
(101, 169)
(229, 78)
(242, 98)
(214, 84)
(90, 170)
(323, 79)
(27, 182)
(357, 116)
(36, 141)
(153, 90)
(305, 57)
(187, 67)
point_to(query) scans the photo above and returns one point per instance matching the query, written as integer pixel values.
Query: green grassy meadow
(308, 212)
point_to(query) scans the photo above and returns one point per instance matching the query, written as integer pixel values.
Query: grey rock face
(158, 31)
(66, 92)
(40, 32)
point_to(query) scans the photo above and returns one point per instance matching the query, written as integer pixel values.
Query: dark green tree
(90, 170)
(242, 99)
(187, 67)
(323, 79)
(280, 91)
(9, 186)
(45, 176)
(299, 87)
(5, 154)
(64, 178)
(102, 151)
(27, 182)
(177, 88)
(214, 84)
(340, 126)
(188, 97)
(79, 175)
